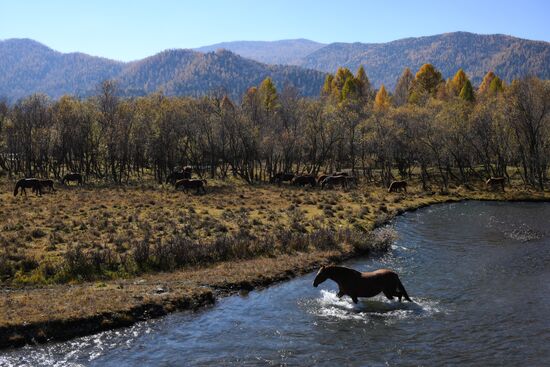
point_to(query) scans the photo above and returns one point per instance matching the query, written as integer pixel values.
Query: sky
(129, 30)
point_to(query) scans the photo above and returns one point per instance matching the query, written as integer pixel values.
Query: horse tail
(16, 189)
(402, 290)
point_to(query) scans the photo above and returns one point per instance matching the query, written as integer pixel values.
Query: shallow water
(479, 273)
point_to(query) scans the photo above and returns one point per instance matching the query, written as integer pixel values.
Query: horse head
(322, 275)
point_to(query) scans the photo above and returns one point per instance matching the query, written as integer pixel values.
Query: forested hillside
(190, 73)
(288, 52)
(28, 67)
(507, 56)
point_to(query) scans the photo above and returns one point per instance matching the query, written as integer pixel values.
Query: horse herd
(183, 180)
(342, 179)
(329, 181)
(38, 186)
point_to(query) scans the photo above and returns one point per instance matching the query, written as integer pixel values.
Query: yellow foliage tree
(382, 100)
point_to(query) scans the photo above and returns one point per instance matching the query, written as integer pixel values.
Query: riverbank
(40, 313)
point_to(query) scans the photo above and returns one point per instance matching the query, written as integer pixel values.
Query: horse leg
(341, 294)
(354, 299)
(389, 295)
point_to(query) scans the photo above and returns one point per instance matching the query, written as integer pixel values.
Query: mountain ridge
(28, 66)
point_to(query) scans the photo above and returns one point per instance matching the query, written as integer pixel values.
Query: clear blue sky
(128, 30)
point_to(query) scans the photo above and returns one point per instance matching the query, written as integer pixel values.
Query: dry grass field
(38, 234)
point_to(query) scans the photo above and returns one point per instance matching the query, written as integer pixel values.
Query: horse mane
(333, 268)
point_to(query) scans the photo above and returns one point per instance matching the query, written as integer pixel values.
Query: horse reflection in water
(368, 284)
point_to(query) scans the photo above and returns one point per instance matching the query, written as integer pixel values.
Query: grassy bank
(88, 259)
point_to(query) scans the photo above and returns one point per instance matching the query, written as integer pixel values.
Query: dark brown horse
(72, 177)
(280, 177)
(332, 181)
(321, 178)
(396, 186)
(304, 180)
(28, 183)
(352, 181)
(191, 184)
(341, 173)
(493, 182)
(368, 284)
(47, 184)
(187, 173)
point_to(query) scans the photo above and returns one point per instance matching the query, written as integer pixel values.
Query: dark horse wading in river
(28, 183)
(368, 284)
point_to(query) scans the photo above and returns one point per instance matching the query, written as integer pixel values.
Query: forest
(436, 130)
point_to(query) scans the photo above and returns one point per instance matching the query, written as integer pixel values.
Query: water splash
(328, 305)
(524, 233)
(521, 232)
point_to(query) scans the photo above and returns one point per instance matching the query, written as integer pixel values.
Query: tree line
(439, 130)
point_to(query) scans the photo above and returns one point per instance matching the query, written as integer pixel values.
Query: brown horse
(332, 181)
(72, 177)
(321, 178)
(495, 181)
(368, 284)
(191, 184)
(396, 186)
(187, 173)
(47, 184)
(341, 173)
(352, 181)
(28, 183)
(280, 177)
(304, 180)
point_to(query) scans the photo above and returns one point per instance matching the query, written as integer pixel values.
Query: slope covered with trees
(28, 67)
(507, 56)
(190, 73)
(288, 52)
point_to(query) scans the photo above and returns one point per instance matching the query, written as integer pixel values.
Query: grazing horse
(304, 180)
(368, 284)
(321, 178)
(352, 180)
(175, 176)
(191, 184)
(396, 186)
(341, 173)
(28, 183)
(280, 177)
(72, 177)
(495, 181)
(332, 181)
(47, 184)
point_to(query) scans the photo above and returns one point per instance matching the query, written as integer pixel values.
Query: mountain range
(27, 66)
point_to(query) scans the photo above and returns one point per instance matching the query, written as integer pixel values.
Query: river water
(479, 273)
